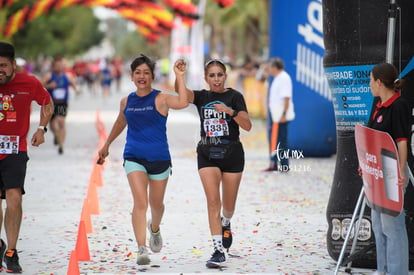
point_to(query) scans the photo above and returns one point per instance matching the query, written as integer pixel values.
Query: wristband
(43, 128)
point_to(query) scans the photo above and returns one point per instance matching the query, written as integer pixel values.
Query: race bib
(59, 93)
(9, 144)
(215, 127)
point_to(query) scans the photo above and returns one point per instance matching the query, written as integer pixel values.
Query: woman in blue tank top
(147, 159)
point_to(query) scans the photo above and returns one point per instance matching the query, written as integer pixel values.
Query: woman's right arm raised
(180, 68)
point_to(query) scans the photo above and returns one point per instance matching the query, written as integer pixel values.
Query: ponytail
(399, 83)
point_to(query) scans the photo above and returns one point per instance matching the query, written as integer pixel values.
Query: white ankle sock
(225, 221)
(218, 242)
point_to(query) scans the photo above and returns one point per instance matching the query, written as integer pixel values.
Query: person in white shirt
(281, 110)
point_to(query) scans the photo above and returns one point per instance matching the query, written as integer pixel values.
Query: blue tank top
(106, 76)
(60, 94)
(147, 129)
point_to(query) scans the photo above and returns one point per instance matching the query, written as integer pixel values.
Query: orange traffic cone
(86, 216)
(93, 201)
(73, 268)
(274, 135)
(102, 140)
(100, 126)
(96, 176)
(82, 247)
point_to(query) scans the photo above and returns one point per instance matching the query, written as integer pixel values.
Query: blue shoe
(216, 259)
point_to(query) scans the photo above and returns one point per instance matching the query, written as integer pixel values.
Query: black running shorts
(61, 109)
(228, 158)
(13, 172)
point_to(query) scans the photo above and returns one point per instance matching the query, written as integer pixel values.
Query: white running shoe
(143, 258)
(155, 242)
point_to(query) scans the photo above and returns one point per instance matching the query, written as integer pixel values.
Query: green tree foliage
(241, 28)
(236, 31)
(129, 43)
(67, 31)
(132, 45)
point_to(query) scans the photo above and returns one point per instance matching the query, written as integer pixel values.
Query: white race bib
(215, 127)
(9, 144)
(59, 93)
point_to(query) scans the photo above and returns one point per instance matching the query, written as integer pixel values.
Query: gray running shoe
(155, 242)
(143, 258)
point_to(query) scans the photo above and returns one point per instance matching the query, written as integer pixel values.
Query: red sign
(378, 160)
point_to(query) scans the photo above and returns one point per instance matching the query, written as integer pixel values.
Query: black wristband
(235, 113)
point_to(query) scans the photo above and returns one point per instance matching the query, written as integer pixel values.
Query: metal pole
(355, 240)
(392, 13)
(348, 233)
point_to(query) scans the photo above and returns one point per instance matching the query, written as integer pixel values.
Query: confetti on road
(279, 226)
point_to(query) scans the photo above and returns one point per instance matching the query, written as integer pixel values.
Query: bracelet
(107, 143)
(43, 128)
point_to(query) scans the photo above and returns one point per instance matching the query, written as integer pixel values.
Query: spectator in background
(118, 66)
(93, 76)
(248, 69)
(165, 73)
(281, 111)
(80, 69)
(106, 76)
(262, 72)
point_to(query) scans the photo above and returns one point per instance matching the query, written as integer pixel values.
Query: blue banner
(352, 97)
(296, 37)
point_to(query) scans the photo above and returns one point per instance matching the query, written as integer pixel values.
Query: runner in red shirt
(17, 91)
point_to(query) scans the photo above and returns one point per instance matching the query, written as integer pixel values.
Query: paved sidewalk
(279, 225)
